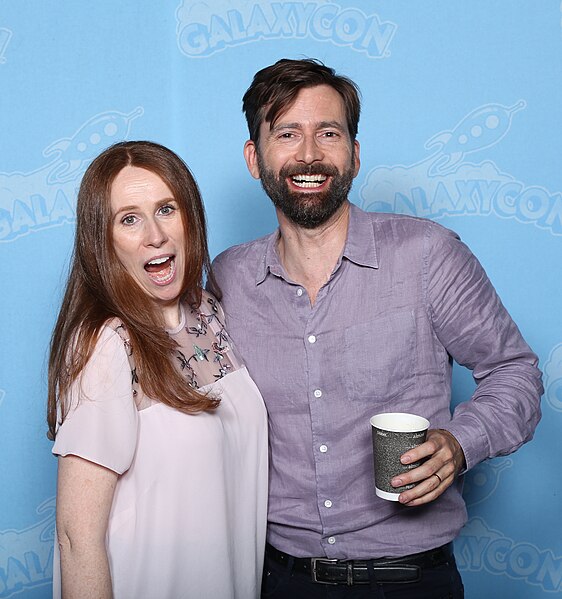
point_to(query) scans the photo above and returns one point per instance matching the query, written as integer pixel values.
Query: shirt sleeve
(477, 331)
(101, 424)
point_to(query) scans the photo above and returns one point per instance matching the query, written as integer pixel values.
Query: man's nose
(309, 150)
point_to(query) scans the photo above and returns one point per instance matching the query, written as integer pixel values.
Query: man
(341, 314)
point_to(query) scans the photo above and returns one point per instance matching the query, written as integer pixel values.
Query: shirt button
(323, 448)
(317, 393)
(312, 339)
(327, 503)
(331, 540)
(299, 292)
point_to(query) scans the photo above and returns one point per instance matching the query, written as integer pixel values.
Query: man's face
(307, 161)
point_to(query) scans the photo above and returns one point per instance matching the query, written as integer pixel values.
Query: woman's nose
(155, 234)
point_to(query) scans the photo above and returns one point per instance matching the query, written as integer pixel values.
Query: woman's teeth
(159, 260)
(161, 270)
(157, 264)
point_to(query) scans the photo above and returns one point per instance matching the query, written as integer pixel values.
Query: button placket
(314, 351)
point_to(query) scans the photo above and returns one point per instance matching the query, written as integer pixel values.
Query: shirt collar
(270, 260)
(359, 248)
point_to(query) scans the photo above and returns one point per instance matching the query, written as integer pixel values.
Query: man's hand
(444, 459)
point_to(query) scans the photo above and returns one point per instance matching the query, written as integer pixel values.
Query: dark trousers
(281, 582)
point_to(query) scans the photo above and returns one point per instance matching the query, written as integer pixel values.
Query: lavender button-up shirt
(406, 298)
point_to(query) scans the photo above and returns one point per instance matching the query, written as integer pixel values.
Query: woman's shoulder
(112, 341)
(113, 328)
(111, 334)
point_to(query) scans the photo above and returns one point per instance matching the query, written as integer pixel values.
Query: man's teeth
(308, 180)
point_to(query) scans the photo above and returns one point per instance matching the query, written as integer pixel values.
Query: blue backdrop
(461, 123)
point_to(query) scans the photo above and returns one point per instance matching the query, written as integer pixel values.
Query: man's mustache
(308, 169)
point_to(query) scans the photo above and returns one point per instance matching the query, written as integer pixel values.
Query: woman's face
(149, 237)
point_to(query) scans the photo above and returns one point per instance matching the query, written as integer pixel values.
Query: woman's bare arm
(84, 497)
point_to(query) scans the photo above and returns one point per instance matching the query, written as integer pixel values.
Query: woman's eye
(128, 220)
(166, 210)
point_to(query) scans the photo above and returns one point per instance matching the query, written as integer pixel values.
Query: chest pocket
(381, 356)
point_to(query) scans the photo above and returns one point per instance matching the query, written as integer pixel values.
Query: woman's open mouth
(161, 270)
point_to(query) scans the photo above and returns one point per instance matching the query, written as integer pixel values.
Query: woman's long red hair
(99, 288)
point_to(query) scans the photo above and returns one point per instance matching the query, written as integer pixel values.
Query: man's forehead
(323, 101)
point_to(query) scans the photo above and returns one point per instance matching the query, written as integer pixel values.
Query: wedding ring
(437, 475)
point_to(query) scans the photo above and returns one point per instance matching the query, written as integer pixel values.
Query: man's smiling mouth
(308, 181)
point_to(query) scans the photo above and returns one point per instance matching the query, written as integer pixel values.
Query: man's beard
(312, 209)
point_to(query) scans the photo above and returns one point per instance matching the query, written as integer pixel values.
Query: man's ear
(251, 157)
(357, 159)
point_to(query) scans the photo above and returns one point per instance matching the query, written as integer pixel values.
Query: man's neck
(309, 256)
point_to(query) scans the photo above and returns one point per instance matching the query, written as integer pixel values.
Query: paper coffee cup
(393, 435)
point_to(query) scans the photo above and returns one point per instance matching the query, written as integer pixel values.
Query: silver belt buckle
(314, 561)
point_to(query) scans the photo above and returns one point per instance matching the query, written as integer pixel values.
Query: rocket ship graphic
(553, 378)
(96, 134)
(15, 545)
(5, 36)
(482, 481)
(483, 127)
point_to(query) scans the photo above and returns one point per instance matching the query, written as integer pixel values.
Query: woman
(160, 432)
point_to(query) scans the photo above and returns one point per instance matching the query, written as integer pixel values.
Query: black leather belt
(349, 572)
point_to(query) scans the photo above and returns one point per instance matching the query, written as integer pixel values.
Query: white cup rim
(399, 422)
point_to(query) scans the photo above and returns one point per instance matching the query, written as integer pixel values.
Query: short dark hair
(276, 87)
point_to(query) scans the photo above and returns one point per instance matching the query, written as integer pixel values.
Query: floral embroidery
(200, 354)
(212, 347)
(121, 331)
(219, 347)
(134, 381)
(187, 369)
(199, 329)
